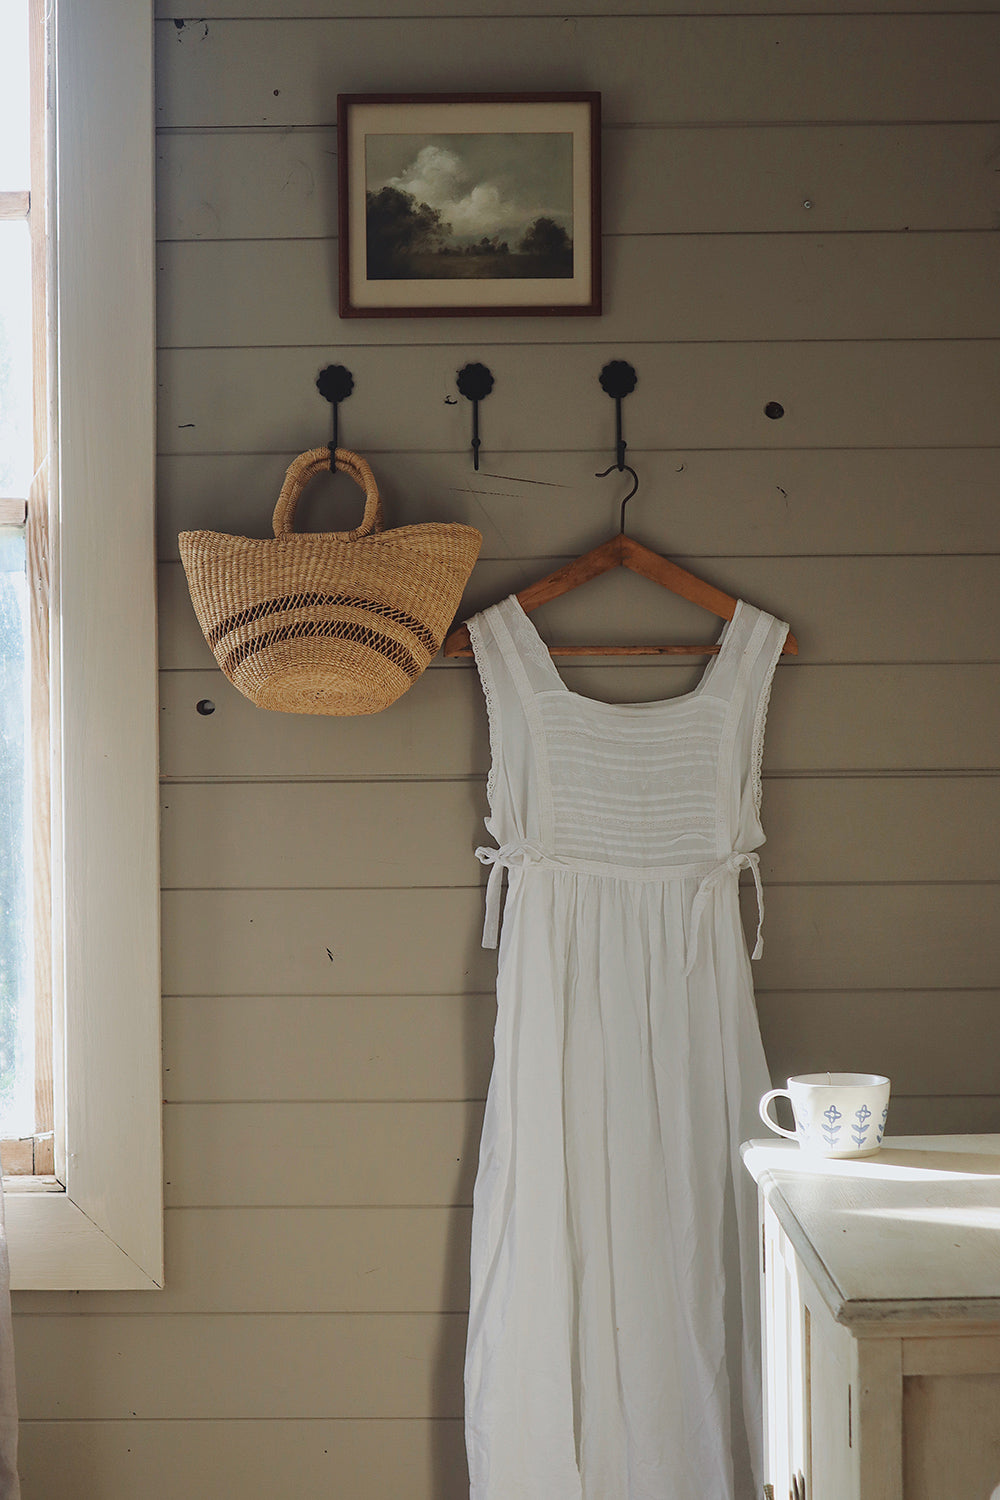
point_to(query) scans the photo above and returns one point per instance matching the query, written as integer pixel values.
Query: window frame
(105, 1230)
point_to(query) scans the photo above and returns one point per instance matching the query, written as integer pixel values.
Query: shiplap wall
(328, 1010)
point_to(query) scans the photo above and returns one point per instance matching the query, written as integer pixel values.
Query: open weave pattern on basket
(311, 600)
(345, 630)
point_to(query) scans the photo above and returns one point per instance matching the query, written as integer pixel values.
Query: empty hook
(475, 382)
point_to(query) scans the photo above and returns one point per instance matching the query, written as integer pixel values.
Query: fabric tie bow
(731, 865)
(507, 857)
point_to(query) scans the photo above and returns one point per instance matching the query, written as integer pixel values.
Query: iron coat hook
(334, 384)
(475, 382)
(618, 379)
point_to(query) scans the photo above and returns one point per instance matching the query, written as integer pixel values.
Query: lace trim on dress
(760, 720)
(492, 712)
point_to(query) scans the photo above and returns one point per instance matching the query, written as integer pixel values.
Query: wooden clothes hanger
(621, 551)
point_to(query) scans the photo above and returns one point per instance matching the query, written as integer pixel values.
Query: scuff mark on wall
(198, 29)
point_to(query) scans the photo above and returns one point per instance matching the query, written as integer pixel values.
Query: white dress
(628, 1066)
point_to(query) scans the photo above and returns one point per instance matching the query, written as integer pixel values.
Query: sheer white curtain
(10, 1488)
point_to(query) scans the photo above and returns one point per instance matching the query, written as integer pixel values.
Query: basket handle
(303, 468)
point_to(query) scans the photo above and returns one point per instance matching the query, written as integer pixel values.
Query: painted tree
(398, 227)
(546, 237)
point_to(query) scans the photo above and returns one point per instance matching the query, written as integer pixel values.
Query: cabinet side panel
(833, 1437)
(951, 1435)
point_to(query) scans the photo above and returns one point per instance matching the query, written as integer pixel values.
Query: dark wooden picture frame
(469, 205)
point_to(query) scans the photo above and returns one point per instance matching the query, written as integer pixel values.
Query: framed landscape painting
(469, 205)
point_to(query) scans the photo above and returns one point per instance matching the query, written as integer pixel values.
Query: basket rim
(417, 529)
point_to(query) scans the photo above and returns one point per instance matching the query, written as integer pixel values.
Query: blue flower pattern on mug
(831, 1129)
(829, 1126)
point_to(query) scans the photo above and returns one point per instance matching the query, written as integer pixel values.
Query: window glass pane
(13, 95)
(15, 359)
(17, 1086)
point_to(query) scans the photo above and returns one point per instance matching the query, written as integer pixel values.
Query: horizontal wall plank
(844, 609)
(395, 834)
(681, 288)
(818, 937)
(821, 719)
(255, 1460)
(649, 69)
(281, 183)
(281, 942)
(868, 720)
(321, 1155)
(327, 1047)
(691, 503)
(945, 1116)
(372, 834)
(927, 1042)
(240, 1366)
(217, 1049)
(879, 937)
(285, 1260)
(241, 740)
(311, 8)
(863, 177)
(237, 184)
(880, 829)
(851, 395)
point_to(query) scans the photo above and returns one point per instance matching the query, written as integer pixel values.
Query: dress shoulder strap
(746, 673)
(513, 666)
(515, 658)
(739, 644)
(503, 652)
(522, 644)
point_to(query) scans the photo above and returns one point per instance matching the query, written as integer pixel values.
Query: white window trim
(105, 1230)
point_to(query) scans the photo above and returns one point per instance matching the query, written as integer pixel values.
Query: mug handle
(771, 1124)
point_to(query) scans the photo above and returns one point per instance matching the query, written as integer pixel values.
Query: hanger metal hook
(625, 469)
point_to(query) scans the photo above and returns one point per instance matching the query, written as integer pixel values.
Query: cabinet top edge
(906, 1237)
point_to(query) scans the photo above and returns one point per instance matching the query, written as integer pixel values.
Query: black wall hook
(618, 379)
(475, 382)
(334, 384)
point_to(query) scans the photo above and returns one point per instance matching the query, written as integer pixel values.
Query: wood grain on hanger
(621, 551)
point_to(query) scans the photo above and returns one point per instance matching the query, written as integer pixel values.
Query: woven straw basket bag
(337, 622)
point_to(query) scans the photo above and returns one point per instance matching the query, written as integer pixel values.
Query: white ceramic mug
(836, 1114)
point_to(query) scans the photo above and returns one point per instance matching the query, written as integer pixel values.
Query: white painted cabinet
(881, 1320)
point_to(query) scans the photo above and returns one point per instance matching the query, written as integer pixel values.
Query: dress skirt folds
(613, 1323)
